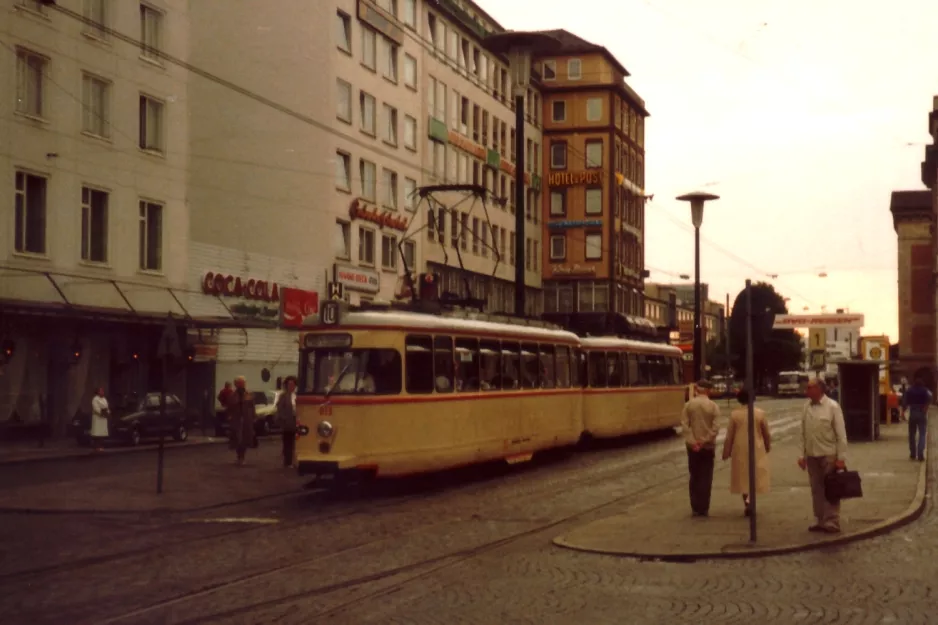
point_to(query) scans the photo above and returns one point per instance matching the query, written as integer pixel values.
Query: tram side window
(624, 364)
(579, 368)
(511, 366)
(597, 369)
(490, 373)
(563, 367)
(529, 365)
(676, 370)
(644, 371)
(613, 370)
(443, 364)
(634, 378)
(548, 369)
(419, 364)
(661, 372)
(467, 364)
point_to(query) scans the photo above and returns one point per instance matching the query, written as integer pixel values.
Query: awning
(36, 292)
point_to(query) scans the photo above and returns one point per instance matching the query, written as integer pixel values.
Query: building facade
(671, 308)
(594, 131)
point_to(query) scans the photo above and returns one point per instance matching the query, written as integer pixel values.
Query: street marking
(258, 520)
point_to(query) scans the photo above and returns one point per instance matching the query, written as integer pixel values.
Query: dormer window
(574, 69)
(549, 70)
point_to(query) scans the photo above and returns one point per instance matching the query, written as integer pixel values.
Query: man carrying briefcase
(824, 437)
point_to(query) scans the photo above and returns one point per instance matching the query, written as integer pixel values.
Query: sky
(798, 114)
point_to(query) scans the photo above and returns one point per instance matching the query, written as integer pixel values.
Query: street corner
(662, 527)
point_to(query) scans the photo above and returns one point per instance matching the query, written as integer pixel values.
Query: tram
(387, 392)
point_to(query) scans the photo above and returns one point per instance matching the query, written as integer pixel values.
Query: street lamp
(520, 47)
(697, 200)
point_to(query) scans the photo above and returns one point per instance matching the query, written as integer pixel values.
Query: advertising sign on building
(358, 278)
(295, 305)
(818, 321)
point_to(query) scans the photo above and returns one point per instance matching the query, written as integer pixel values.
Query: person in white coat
(100, 413)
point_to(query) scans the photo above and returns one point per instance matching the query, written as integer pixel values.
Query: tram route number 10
(329, 313)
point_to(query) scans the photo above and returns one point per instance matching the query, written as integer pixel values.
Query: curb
(117, 451)
(738, 552)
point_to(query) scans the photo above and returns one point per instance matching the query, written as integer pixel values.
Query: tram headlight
(325, 429)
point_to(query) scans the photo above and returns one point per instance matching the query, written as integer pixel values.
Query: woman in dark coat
(241, 417)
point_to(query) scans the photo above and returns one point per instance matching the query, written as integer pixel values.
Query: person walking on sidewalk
(736, 446)
(241, 417)
(917, 399)
(100, 413)
(699, 427)
(824, 450)
(286, 415)
(225, 394)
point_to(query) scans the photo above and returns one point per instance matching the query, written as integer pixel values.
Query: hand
(802, 464)
(695, 446)
(841, 465)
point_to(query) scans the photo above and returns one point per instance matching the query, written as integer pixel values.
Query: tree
(715, 352)
(772, 350)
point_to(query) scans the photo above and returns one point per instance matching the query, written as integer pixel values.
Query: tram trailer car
(389, 394)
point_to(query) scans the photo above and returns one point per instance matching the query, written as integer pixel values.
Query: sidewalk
(199, 482)
(663, 528)
(62, 448)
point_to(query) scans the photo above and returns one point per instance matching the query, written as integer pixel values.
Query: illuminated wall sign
(357, 210)
(576, 223)
(569, 179)
(573, 270)
(235, 286)
(818, 321)
(358, 278)
(380, 20)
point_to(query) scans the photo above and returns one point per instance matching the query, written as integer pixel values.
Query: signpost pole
(751, 415)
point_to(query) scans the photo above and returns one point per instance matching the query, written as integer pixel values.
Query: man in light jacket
(286, 416)
(824, 445)
(699, 425)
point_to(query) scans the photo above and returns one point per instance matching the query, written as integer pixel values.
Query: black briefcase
(842, 485)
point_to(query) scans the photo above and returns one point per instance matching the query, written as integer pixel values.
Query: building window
(366, 246)
(389, 59)
(367, 108)
(30, 214)
(343, 239)
(151, 236)
(594, 201)
(475, 235)
(343, 103)
(367, 172)
(549, 70)
(558, 155)
(409, 15)
(558, 246)
(558, 202)
(151, 124)
(95, 11)
(94, 205)
(343, 171)
(410, 255)
(574, 69)
(410, 194)
(343, 25)
(390, 125)
(594, 153)
(390, 188)
(30, 69)
(369, 41)
(388, 251)
(594, 109)
(151, 27)
(410, 132)
(594, 246)
(559, 111)
(410, 71)
(96, 109)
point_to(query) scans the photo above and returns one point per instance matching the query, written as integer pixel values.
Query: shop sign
(463, 143)
(437, 130)
(573, 270)
(236, 286)
(358, 278)
(493, 158)
(575, 223)
(357, 210)
(817, 321)
(381, 21)
(574, 178)
(297, 304)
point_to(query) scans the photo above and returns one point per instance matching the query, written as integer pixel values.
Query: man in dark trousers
(286, 416)
(699, 425)
(917, 399)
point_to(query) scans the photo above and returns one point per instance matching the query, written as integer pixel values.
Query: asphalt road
(462, 548)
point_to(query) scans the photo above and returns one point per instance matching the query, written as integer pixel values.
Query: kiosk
(860, 398)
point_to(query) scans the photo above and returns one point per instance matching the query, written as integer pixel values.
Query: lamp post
(697, 200)
(520, 47)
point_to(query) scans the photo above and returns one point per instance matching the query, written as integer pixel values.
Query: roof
(572, 44)
(920, 199)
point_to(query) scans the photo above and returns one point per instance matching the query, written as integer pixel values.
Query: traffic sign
(817, 338)
(818, 359)
(336, 291)
(329, 313)
(169, 340)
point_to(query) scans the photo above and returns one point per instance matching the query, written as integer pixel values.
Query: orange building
(594, 163)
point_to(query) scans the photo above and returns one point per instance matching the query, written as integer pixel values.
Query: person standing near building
(225, 394)
(824, 450)
(241, 417)
(100, 413)
(286, 415)
(917, 399)
(699, 425)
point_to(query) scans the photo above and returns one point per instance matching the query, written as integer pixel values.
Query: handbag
(842, 484)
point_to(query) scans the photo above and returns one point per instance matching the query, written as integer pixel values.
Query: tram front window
(366, 371)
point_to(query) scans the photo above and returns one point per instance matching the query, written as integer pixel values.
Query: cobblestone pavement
(476, 551)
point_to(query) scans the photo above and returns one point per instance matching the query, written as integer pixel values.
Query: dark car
(133, 420)
(265, 409)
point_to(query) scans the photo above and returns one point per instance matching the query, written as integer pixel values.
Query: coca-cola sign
(235, 286)
(296, 305)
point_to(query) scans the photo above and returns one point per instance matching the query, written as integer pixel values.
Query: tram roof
(608, 341)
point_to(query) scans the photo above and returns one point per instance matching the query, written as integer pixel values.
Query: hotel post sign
(589, 177)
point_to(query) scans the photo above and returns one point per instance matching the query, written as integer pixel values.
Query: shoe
(747, 511)
(830, 530)
(816, 528)
(921, 458)
(700, 514)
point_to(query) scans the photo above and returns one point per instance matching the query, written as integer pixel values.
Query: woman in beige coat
(736, 446)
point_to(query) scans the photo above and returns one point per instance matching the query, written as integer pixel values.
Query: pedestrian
(824, 450)
(241, 417)
(699, 424)
(286, 415)
(917, 399)
(225, 394)
(736, 446)
(100, 414)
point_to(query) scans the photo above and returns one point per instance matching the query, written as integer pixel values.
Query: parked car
(265, 408)
(133, 420)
